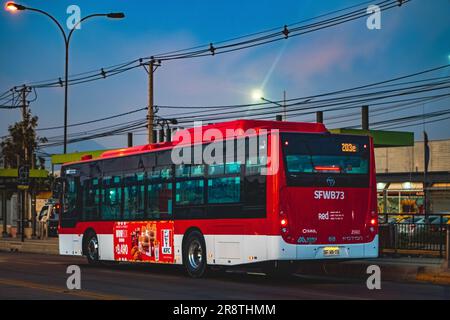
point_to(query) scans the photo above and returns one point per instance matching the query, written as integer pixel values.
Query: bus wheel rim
(195, 254)
(93, 248)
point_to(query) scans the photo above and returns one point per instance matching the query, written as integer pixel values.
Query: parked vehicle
(50, 213)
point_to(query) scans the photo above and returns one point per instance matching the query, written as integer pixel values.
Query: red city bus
(301, 194)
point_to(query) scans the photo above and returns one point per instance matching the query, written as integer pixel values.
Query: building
(400, 177)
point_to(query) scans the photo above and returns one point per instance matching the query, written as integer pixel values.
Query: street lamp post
(276, 103)
(11, 6)
(284, 104)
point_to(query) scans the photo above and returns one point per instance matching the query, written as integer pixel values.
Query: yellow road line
(53, 289)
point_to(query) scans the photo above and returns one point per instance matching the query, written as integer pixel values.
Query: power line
(120, 129)
(94, 121)
(253, 41)
(318, 104)
(297, 106)
(420, 123)
(354, 104)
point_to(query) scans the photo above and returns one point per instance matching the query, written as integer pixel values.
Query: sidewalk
(49, 246)
(392, 269)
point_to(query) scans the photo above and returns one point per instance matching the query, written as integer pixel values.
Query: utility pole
(23, 93)
(24, 194)
(130, 139)
(152, 66)
(150, 115)
(25, 160)
(365, 117)
(426, 161)
(319, 116)
(284, 105)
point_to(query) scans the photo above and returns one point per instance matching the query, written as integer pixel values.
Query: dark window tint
(70, 199)
(134, 196)
(91, 199)
(314, 159)
(224, 190)
(159, 200)
(188, 171)
(112, 198)
(255, 196)
(189, 192)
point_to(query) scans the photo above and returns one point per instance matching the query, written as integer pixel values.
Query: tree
(12, 145)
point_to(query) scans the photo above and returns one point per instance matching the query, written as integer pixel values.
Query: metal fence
(413, 233)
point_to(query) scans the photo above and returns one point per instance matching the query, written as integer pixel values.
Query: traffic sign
(23, 178)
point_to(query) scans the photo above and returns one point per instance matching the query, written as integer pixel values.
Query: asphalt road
(34, 276)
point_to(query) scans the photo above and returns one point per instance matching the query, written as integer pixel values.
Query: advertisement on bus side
(144, 241)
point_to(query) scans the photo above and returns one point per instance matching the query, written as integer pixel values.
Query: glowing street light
(257, 94)
(13, 7)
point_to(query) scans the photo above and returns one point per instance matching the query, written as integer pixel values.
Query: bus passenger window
(112, 198)
(160, 201)
(189, 192)
(70, 196)
(91, 199)
(224, 190)
(134, 193)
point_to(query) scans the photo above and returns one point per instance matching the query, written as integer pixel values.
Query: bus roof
(223, 127)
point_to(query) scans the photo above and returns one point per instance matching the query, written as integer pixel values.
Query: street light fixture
(257, 94)
(116, 15)
(284, 104)
(278, 104)
(13, 7)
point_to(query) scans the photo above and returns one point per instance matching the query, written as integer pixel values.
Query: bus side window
(255, 154)
(70, 196)
(254, 182)
(159, 193)
(91, 199)
(189, 189)
(134, 193)
(112, 198)
(224, 183)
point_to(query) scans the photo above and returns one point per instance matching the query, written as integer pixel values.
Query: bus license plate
(331, 251)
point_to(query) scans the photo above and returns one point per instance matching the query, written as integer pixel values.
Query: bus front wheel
(91, 249)
(194, 255)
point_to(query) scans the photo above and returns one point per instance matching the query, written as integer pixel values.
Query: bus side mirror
(57, 188)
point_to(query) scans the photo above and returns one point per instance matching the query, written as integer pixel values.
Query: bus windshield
(343, 156)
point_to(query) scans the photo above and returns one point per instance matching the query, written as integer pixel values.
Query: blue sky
(412, 38)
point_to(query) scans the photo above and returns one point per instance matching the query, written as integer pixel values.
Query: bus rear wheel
(91, 249)
(194, 255)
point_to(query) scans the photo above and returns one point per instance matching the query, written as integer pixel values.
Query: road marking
(59, 290)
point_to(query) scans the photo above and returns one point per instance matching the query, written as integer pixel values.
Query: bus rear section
(327, 197)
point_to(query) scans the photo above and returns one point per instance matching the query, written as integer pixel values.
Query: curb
(389, 272)
(437, 278)
(29, 247)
